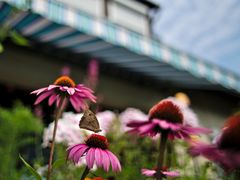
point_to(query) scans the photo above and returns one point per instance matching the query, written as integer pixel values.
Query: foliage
(32, 170)
(20, 130)
(132, 159)
(17, 38)
(134, 154)
(1, 48)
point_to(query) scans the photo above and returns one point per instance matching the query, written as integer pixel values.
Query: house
(136, 69)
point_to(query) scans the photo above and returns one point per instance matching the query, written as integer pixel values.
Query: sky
(208, 29)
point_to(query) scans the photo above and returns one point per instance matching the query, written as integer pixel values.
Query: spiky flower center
(231, 133)
(97, 141)
(166, 110)
(97, 178)
(65, 81)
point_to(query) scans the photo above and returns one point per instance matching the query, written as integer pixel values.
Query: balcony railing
(133, 15)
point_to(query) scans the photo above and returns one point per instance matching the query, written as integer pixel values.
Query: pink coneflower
(164, 172)
(189, 117)
(226, 150)
(165, 117)
(65, 87)
(96, 151)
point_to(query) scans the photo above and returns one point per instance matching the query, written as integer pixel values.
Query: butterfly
(89, 121)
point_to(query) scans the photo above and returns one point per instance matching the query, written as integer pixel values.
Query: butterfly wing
(89, 121)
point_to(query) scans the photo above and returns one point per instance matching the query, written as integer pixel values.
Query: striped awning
(49, 21)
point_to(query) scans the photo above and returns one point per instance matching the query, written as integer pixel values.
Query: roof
(63, 27)
(149, 3)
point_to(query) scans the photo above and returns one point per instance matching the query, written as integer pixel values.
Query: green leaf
(31, 169)
(18, 39)
(26, 141)
(59, 163)
(3, 33)
(1, 48)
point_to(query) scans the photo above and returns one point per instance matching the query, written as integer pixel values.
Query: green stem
(169, 154)
(85, 173)
(58, 114)
(162, 147)
(196, 168)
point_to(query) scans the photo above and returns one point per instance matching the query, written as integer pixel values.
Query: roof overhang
(64, 27)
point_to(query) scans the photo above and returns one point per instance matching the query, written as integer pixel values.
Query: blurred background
(133, 53)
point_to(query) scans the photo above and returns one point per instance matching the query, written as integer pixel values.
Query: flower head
(167, 117)
(189, 117)
(97, 141)
(98, 178)
(182, 97)
(68, 132)
(63, 87)
(230, 133)
(65, 81)
(105, 119)
(166, 110)
(96, 151)
(165, 173)
(131, 113)
(226, 150)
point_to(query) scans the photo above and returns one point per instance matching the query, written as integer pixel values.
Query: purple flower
(189, 117)
(66, 71)
(105, 119)
(68, 131)
(65, 87)
(130, 113)
(165, 116)
(93, 73)
(152, 172)
(95, 151)
(226, 150)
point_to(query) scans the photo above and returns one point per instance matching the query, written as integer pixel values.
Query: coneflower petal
(106, 161)
(98, 157)
(79, 153)
(74, 103)
(52, 99)
(39, 91)
(42, 97)
(71, 91)
(90, 157)
(114, 161)
(50, 87)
